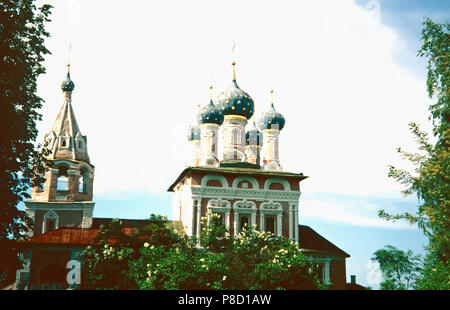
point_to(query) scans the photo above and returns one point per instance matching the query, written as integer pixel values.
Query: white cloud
(138, 69)
(349, 213)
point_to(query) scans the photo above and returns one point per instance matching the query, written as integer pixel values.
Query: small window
(80, 144)
(63, 142)
(50, 224)
(270, 224)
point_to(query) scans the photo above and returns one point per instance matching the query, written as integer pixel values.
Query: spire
(66, 140)
(234, 60)
(271, 92)
(68, 60)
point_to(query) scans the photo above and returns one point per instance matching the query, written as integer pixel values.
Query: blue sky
(346, 78)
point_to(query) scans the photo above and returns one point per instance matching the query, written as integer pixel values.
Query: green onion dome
(67, 84)
(193, 133)
(254, 137)
(271, 119)
(210, 114)
(235, 101)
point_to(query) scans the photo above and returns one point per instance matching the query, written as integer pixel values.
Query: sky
(345, 76)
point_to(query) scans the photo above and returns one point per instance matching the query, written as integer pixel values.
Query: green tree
(431, 178)
(22, 51)
(400, 269)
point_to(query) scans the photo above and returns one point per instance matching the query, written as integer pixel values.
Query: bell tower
(65, 198)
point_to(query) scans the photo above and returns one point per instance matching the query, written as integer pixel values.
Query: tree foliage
(157, 258)
(400, 269)
(430, 180)
(22, 51)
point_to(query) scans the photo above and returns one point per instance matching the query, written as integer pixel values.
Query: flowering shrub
(156, 258)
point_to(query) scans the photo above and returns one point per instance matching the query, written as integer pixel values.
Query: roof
(311, 241)
(354, 287)
(84, 236)
(234, 170)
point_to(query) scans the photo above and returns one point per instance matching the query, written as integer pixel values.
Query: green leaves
(22, 35)
(156, 258)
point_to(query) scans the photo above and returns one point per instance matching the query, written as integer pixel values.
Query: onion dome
(235, 101)
(67, 84)
(271, 119)
(193, 133)
(210, 114)
(254, 137)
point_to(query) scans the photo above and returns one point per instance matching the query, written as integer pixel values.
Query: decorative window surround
(272, 208)
(221, 206)
(244, 207)
(326, 269)
(287, 186)
(50, 215)
(217, 177)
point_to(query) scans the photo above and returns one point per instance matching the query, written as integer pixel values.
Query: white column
(279, 224)
(236, 222)
(262, 223)
(199, 218)
(327, 273)
(291, 221)
(253, 219)
(194, 215)
(227, 219)
(296, 223)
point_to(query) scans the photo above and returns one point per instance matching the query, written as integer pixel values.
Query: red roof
(311, 241)
(73, 236)
(65, 235)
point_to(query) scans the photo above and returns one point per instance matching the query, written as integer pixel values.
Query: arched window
(83, 186)
(62, 181)
(80, 144)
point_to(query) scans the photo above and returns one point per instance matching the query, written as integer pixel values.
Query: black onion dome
(193, 133)
(210, 114)
(271, 120)
(235, 101)
(254, 137)
(67, 84)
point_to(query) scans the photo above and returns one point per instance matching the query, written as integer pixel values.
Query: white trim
(272, 208)
(242, 193)
(251, 180)
(217, 177)
(287, 186)
(49, 215)
(220, 206)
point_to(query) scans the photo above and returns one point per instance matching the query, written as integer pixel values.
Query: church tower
(236, 183)
(65, 198)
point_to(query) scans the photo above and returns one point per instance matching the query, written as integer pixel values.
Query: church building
(245, 183)
(235, 173)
